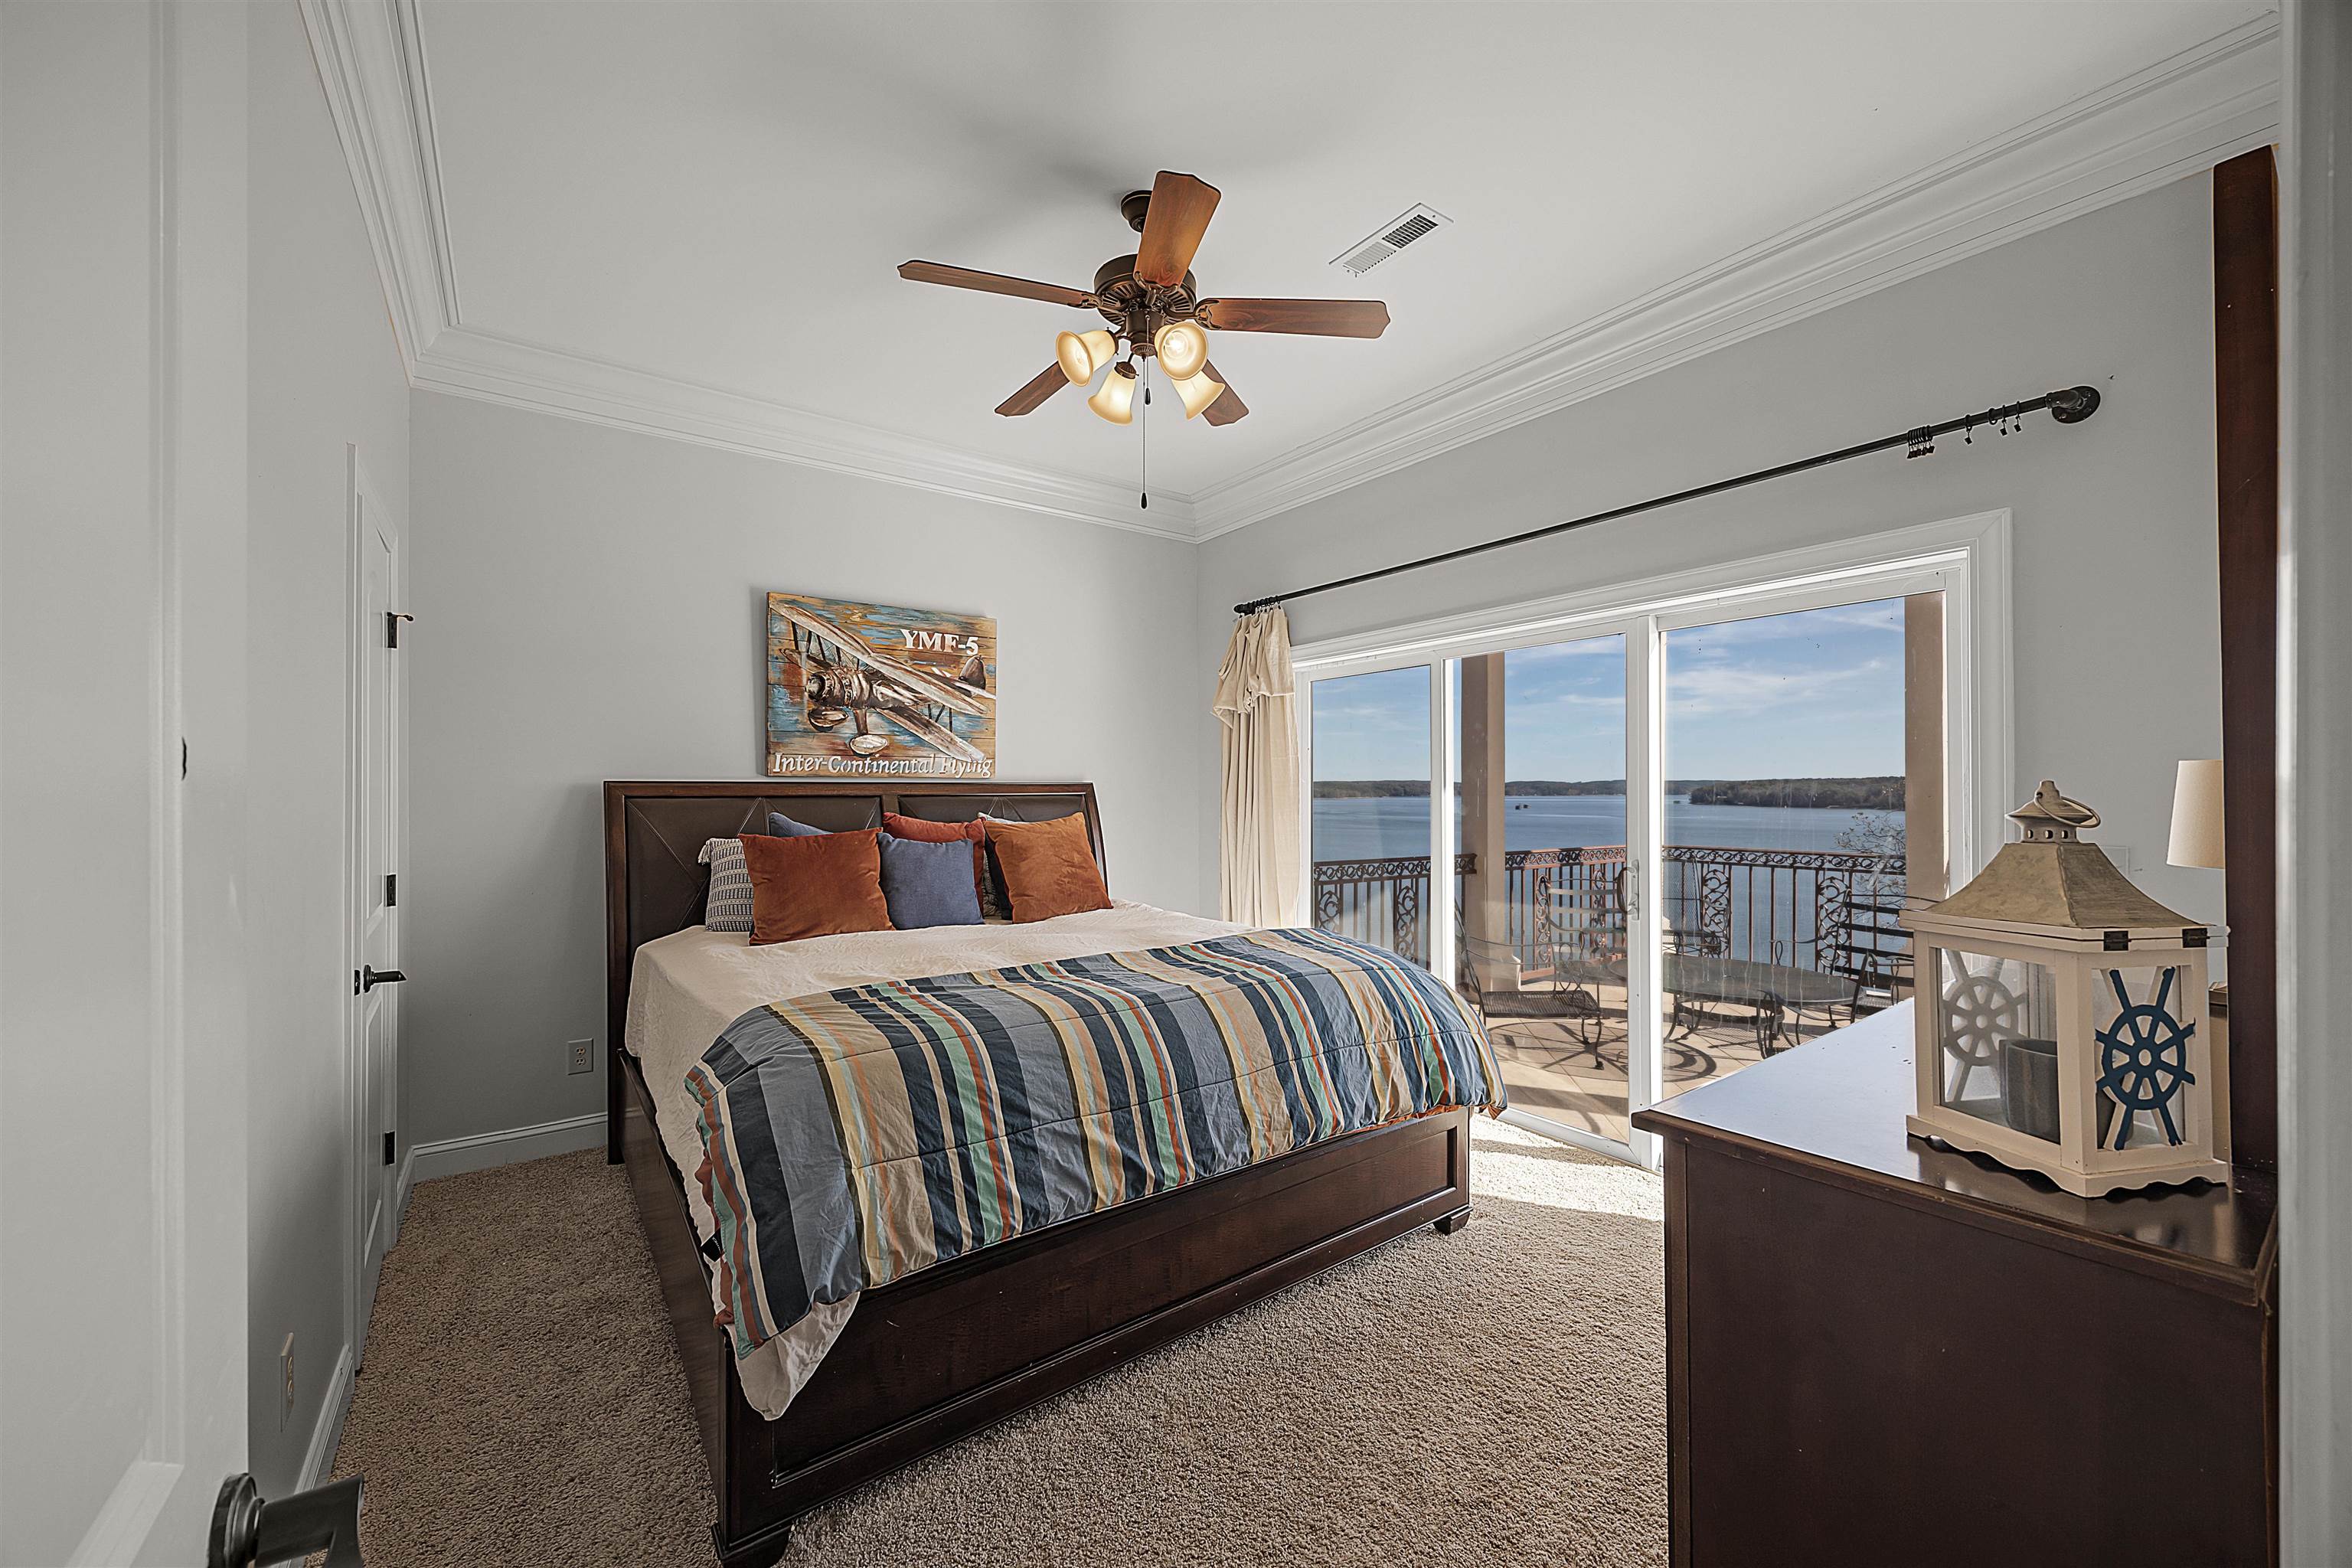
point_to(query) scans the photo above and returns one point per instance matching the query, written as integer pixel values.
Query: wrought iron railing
(1811, 908)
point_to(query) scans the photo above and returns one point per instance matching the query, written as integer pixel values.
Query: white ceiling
(718, 193)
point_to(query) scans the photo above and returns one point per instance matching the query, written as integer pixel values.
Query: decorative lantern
(2061, 1018)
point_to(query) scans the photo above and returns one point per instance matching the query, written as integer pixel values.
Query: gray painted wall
(2118, 636)
(590, 606)
(79, 791)
(325, 372)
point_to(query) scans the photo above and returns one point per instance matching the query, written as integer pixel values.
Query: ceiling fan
(1151, 303)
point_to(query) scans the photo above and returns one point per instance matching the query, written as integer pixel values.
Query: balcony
(1769, 948)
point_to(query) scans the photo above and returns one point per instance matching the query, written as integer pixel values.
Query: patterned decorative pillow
(729, 905)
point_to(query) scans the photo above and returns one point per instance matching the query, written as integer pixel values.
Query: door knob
(247, 1530)
(370, 977)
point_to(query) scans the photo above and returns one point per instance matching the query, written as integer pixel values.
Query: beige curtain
(1259, 869)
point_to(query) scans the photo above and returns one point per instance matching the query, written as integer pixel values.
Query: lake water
(1367, 829)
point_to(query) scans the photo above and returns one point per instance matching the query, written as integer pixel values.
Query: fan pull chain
(1145, 497)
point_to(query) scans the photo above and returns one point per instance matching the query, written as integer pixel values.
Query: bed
(941, 1353)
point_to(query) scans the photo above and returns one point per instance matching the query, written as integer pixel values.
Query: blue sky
(1814, 694)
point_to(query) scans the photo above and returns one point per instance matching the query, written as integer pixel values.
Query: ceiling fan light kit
(1182, 348)
(1198, 392)
(1116, 401)
(1082, 354)
(1152, 304)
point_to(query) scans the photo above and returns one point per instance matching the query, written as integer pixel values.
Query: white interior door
(376, 773)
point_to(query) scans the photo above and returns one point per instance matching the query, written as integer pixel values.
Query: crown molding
(2172, 120)
(372, 62)
(2177, 117)
(473, 363)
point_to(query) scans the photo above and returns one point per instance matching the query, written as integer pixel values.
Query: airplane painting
(871, 689)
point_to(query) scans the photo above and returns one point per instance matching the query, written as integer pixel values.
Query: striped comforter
(858, 1135)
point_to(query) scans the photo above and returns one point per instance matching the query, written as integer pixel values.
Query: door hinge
(387, 1148)
(392, 619)
(391, 888)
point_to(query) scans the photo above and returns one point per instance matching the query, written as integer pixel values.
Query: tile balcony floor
(1571, 1070)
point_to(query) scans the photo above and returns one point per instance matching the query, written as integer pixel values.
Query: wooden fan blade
(1048, 382)
(993, 283)
(1172, 226)
(1229, 406)
(1308, 318)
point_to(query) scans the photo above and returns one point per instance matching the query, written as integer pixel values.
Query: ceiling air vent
(1390, 238)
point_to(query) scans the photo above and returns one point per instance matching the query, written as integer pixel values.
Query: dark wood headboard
(653, 833)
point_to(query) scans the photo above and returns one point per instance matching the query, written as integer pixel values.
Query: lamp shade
(1198, 392)
(1116, 401)
(1083, 353)
(2197, 815)
(1182, 348)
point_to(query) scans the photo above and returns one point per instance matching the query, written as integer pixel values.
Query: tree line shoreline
(1873, 793)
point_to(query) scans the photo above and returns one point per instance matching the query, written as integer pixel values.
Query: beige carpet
(1488, 1398)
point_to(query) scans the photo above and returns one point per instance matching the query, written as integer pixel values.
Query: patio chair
(1865, 943)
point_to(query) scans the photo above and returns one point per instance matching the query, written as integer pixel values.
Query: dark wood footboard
(947, 1351)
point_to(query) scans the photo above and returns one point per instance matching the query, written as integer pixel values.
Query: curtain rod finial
(2074, 404)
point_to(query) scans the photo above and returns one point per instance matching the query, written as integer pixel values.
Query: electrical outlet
(286, 1377)
(579, 1056)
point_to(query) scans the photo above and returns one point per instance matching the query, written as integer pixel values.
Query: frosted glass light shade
(1116, 401)
(1198, 392)
(1083, 353)
(2197, 815)
(1182, 348)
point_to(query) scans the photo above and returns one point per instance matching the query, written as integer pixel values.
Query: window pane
(1371, 848)
(1784, 831)
(1541, 826)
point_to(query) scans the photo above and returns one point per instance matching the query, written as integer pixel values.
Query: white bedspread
(688, 987)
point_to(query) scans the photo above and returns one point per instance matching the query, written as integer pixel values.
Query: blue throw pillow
(783, 827)
(929, 884)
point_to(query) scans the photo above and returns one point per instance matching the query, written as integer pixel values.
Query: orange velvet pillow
(924, 832)
(818, 886)
(1048, 867)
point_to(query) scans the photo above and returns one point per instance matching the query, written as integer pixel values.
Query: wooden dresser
(1882, 1352)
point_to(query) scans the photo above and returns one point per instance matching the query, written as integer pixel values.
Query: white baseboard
(319, 1459)
(480, 1151)
(400, 1194)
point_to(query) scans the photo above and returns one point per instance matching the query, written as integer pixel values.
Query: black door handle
(370, 977)
(247, 1530)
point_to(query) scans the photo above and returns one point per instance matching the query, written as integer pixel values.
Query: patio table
(1698, 978)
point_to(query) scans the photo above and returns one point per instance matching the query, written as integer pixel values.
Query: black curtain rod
(2070, 406)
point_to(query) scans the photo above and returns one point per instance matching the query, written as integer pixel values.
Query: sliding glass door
(1547, 940)
(1782, 874)
(1680, 837)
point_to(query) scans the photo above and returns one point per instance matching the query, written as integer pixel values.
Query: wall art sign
(871, 689)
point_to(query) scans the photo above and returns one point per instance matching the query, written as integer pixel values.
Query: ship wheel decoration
(1979, 1011)
(2144, 1058)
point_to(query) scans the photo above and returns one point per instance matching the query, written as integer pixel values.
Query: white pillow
(729, 906)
